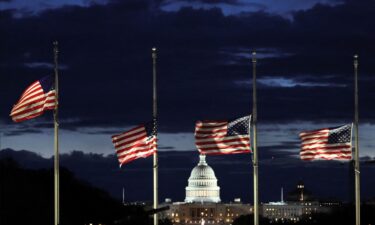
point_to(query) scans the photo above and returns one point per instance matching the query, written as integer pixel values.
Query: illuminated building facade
(202, 203)
(210, 213)
(291, 211)
(300, 204)
(202, 184)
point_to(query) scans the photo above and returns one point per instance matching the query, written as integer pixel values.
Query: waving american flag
(37, 98)
(138, 142)
(328, 143)
(216, 137)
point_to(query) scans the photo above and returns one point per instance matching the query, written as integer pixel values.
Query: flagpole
(155, 114)
(255, 150)
(356, 152)
(56, 144)
(123, 196)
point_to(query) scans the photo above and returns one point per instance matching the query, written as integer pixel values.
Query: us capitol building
(202, 203)
(203, 206)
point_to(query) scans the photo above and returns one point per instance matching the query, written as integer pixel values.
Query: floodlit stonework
(202, 184)
(203, 205)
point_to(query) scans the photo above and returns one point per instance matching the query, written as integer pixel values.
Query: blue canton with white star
(341, 134)
(239, 126)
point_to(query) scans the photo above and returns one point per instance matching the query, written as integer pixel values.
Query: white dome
(202, 184)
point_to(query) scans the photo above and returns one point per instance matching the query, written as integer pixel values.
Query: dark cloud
(22, 131)
(229, 2)
(169, 148)
(93, 131)
(106, 51)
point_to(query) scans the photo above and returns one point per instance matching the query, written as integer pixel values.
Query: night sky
(305, 68)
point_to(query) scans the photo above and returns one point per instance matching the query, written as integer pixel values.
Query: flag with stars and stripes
(37, 98)
(138, 142)
(217, 137)
(327, 144)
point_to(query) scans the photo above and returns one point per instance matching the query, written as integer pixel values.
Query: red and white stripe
(33, 103)
(315, 146)
(134, 144)
(211, 139)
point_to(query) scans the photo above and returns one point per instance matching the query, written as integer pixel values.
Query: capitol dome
(202, 185)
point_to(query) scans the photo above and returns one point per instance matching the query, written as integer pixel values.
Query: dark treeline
(26, 197)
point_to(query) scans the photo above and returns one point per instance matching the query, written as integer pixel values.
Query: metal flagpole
(155, 113)
(356, 152)
(56, 122)
(123, 196)
(255, 150)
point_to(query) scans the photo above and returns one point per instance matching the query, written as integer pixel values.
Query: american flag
(37, 98)
(138, 142)
(215, 137)
(328, 143)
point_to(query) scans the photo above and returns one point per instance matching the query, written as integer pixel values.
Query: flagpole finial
(356, 59)
(154, 52)
(56, 45)
(254, 54)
